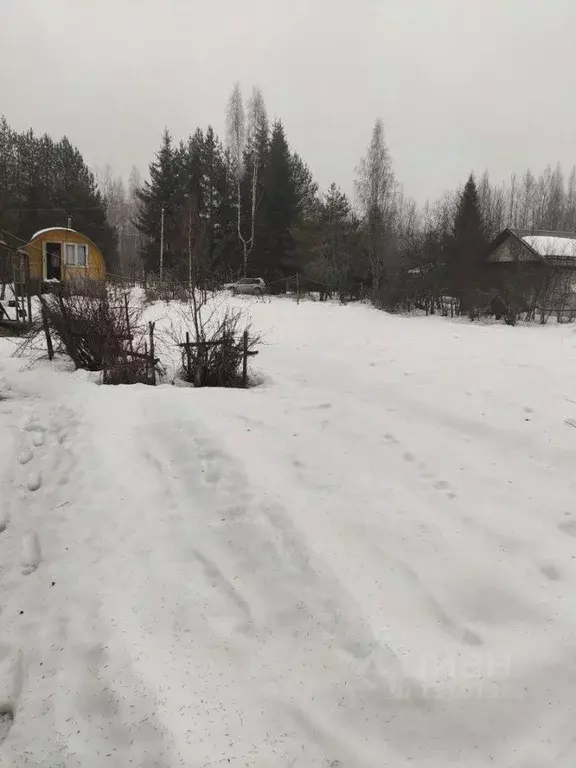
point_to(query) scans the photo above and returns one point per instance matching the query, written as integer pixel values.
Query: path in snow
(367, 562)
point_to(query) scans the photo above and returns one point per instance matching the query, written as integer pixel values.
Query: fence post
(297, 288)
(68, 333)
(128, 329)
(188, 358)
(152, 357)
(49, 346)
(28, 286)
(245, 359)
(147, 359)
(15, 289)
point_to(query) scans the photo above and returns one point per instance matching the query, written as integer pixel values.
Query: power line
(65, 210)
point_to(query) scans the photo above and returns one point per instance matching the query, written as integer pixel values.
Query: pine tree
(329, 246)
(44, 183)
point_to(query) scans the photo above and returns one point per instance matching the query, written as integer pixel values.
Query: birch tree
(375, 188)
(247, 134)
(236, 142)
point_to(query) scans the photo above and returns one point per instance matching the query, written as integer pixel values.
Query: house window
(76, 255)
(81, 254)
(70, 254)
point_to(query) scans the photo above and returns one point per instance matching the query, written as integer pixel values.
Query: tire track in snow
(257, 594)
(293, 600)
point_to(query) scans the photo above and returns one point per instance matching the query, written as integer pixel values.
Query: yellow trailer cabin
(60, 254)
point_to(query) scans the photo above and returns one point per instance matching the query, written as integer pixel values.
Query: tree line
(213, 209)
(46, 183)
(216, 210)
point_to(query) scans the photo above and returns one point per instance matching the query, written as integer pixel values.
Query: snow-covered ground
(367, 561)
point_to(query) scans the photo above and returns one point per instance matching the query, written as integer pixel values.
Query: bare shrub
(99, 327)
(128, 370)
(215, 355)
(93, 324)
(170, 289)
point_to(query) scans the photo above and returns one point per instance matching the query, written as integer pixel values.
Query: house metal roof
(552, 245)
(54, 229)
(552, 248)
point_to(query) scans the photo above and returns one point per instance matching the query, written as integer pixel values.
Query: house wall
(95, 269)
(511, 250)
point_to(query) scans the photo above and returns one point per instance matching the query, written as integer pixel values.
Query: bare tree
(236, 141)
(513, 201)
(122, 207)
(132, 237)
(244, 134)
(256, 138)
(492, 205)
(554, 215)
(375, 188)
(570, 210)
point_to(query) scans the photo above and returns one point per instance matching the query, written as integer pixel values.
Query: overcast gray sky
(460, 84)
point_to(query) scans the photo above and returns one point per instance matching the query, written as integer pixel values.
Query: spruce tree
(467, 247)
(220, 214)
(279, 211)
(305, 188)
(161, 192)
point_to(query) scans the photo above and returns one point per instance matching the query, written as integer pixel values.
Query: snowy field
(367, 561)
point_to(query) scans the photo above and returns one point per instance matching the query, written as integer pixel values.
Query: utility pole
(121, 249)
(162, 246)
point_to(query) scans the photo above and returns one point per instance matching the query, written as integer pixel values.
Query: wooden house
(549, 249)
(538, 267)
(58, 254)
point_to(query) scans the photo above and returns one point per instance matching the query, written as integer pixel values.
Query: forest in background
(248, 204)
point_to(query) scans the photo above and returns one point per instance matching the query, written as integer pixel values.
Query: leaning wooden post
(46, 327)
(188, 358)
(28, 286)
(200, 377)
(15, 289)
(245, 359)
(146, 360)
(128, 329)
(152, 358)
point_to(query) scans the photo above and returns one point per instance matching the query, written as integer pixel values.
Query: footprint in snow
(11, 678)
(34, 482)
(4, 519)
(551, 572)
(6, 722)
(568, 527)
(25, 456)
(34, 426)
(471, 638)
(38, 439)
(31, 553)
